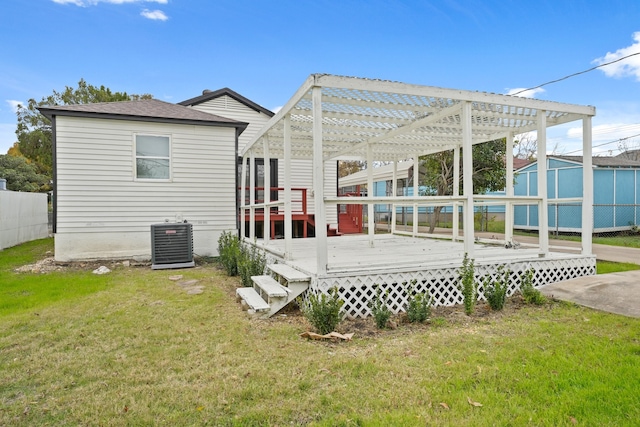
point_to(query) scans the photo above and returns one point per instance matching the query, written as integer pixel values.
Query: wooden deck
(357, 269)
(352, 254)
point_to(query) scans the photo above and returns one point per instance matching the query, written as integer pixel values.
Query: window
(153, 159)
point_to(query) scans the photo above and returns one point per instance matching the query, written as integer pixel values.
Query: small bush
(251, 263)
(496, 293)
(379, 309)
(530, 294)
(418, 305)
(229, 252)
(323, 311)
(467, 285)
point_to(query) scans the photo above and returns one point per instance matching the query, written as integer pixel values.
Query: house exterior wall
(104, 212)
(23, 217)
(301, 170)
(615, 192)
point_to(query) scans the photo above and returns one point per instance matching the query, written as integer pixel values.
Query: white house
(120, 167)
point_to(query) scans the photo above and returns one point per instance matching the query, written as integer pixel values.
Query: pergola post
(508, 208)
(587, 187)
(318, 183)
(266, 223)
(467, 177)
(243, 197)
(371, 223)
(416, 191)
(455, 220)
(394, 189)
(252, 196)
(543, 214)
(288, 228)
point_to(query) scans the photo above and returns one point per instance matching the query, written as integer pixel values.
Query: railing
(298, 200)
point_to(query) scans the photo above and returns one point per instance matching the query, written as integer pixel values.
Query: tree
(526, 147)
(21, 175)
(34, 130)
(489, 173)
(347, 167)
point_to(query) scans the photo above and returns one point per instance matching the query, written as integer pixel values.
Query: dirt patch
(48, 265)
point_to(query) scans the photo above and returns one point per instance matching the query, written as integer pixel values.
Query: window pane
(152, 168)
(152, 146)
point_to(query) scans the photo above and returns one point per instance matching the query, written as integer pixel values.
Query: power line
(576, 74)
(607, 143)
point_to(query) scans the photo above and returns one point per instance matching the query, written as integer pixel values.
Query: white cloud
(14, 104)
(84, 3)
(626, 67)
(155, 15)
(521, 91)
(276, 109)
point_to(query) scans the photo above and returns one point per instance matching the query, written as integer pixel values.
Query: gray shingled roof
(144, 109)
(208, 95)
(603, 161)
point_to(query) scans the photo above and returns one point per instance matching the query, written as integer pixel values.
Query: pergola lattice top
(399, 120)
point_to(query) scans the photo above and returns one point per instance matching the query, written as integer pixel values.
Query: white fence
(23, 217)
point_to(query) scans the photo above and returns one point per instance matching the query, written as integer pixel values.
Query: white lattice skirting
(441, 283)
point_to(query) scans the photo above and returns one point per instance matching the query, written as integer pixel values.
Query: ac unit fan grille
(171, 245)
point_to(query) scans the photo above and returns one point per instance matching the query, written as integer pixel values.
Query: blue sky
(173, 49)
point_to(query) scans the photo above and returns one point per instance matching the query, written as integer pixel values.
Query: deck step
(253, 299)
(270, 287)
(289, 273)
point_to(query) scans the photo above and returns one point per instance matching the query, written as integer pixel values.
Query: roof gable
(208, 95)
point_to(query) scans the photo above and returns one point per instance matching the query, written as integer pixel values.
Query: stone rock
(187, 283)
(101, 270)
(175, 278)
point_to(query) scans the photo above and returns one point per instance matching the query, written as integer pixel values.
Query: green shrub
(530, 294)
(379, 308)
(418, 305)
(323, 311)
(251, 263)
(467, 285)
(229, 252)
(496, 292)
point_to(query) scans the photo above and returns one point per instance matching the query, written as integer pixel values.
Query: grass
(133, 348)
(604, 267)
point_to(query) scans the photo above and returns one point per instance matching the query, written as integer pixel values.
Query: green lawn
(134, 348)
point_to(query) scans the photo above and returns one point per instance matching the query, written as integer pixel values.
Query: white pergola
(334, 117)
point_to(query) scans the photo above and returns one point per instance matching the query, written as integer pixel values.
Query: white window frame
(136, 157)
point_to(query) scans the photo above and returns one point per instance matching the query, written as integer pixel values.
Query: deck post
(467, 178)
(416, 191)
(587, 187)
(318, 183)
(394, 190)
(243, 198)
(266, 223)
(543, 214)
(252, 196)
(288, 228)
(508, 208)
(455, 220)
(371, 221)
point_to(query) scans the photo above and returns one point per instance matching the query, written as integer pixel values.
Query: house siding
(103, 212)
(614, 196)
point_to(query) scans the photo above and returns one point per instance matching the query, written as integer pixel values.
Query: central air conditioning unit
(171, 245)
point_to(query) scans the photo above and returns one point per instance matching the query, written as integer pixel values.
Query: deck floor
(352, 253)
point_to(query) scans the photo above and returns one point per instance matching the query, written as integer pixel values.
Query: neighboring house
(120, 167)
(616, 194)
